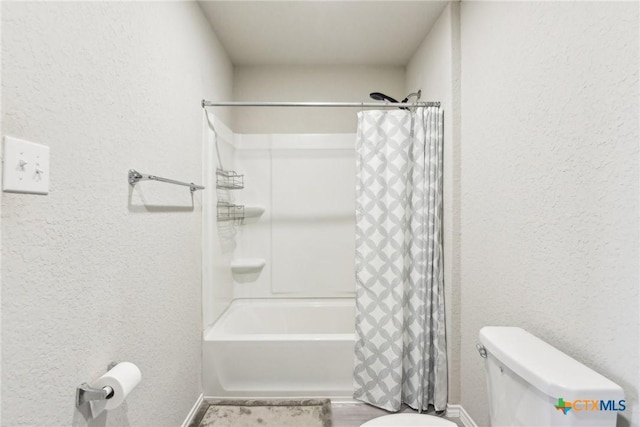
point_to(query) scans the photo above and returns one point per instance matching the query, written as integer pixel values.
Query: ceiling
(325, 32)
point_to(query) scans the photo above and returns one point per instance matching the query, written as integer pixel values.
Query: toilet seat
(409, 420)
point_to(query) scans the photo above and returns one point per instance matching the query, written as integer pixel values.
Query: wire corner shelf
(229, 180)
(227, 211)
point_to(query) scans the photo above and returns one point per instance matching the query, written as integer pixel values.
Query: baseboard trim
(457, 411)
(194, 410)
(452, 411)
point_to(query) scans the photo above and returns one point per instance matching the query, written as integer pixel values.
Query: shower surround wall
(305, 183)
(219, 238)
(90, 276)
(299, 165)
(550, 184)
(306, 236)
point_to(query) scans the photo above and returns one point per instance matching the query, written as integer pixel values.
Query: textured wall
(550, 183)
(309, 84)
(434, 68)
(93, 272)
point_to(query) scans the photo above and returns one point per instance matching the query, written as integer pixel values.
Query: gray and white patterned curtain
(400, 347)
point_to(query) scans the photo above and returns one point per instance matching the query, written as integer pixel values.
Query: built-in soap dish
(253, 211)
(247, 265)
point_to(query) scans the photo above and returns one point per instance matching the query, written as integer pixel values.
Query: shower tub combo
(281, 348)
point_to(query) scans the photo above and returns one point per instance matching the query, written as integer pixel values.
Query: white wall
(550, 184)
(309, 84)
(253, 159)
(313, 220)
(434, 68)
(306, 235)
(306, 183)
(95, 272)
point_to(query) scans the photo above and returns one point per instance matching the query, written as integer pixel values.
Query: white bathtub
(267, 348)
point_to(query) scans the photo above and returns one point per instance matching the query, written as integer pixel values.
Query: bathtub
(270, 348)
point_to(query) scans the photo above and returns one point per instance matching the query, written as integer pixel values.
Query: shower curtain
(400, 347)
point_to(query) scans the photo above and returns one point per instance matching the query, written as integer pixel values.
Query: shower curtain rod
(319, 104)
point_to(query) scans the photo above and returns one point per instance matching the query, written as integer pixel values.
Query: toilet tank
(530, 383)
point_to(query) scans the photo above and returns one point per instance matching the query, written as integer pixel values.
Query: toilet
(531, 383)
(409, 420)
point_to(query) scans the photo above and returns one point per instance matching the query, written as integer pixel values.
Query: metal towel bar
(135, 177)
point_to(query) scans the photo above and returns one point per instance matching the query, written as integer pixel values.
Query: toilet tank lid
(545, 367)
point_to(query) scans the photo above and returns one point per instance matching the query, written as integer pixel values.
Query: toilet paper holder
(85, 393)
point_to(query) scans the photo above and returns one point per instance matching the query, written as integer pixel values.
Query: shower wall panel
(218, 237)
(306, 183)
(253, 159)
(313, 225)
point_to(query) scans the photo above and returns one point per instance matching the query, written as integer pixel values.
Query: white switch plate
(26, 167)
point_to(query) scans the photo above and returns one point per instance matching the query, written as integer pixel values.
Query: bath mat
(265, 413)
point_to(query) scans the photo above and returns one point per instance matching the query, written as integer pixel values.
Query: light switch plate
(26, 167)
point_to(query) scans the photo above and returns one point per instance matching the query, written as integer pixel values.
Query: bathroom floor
(264, 413)
(276, 416)
(348, 414)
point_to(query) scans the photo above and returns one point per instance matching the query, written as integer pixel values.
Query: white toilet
(409, 420)
(531, 383)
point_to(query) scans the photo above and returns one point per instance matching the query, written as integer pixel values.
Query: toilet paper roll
(122, 378)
